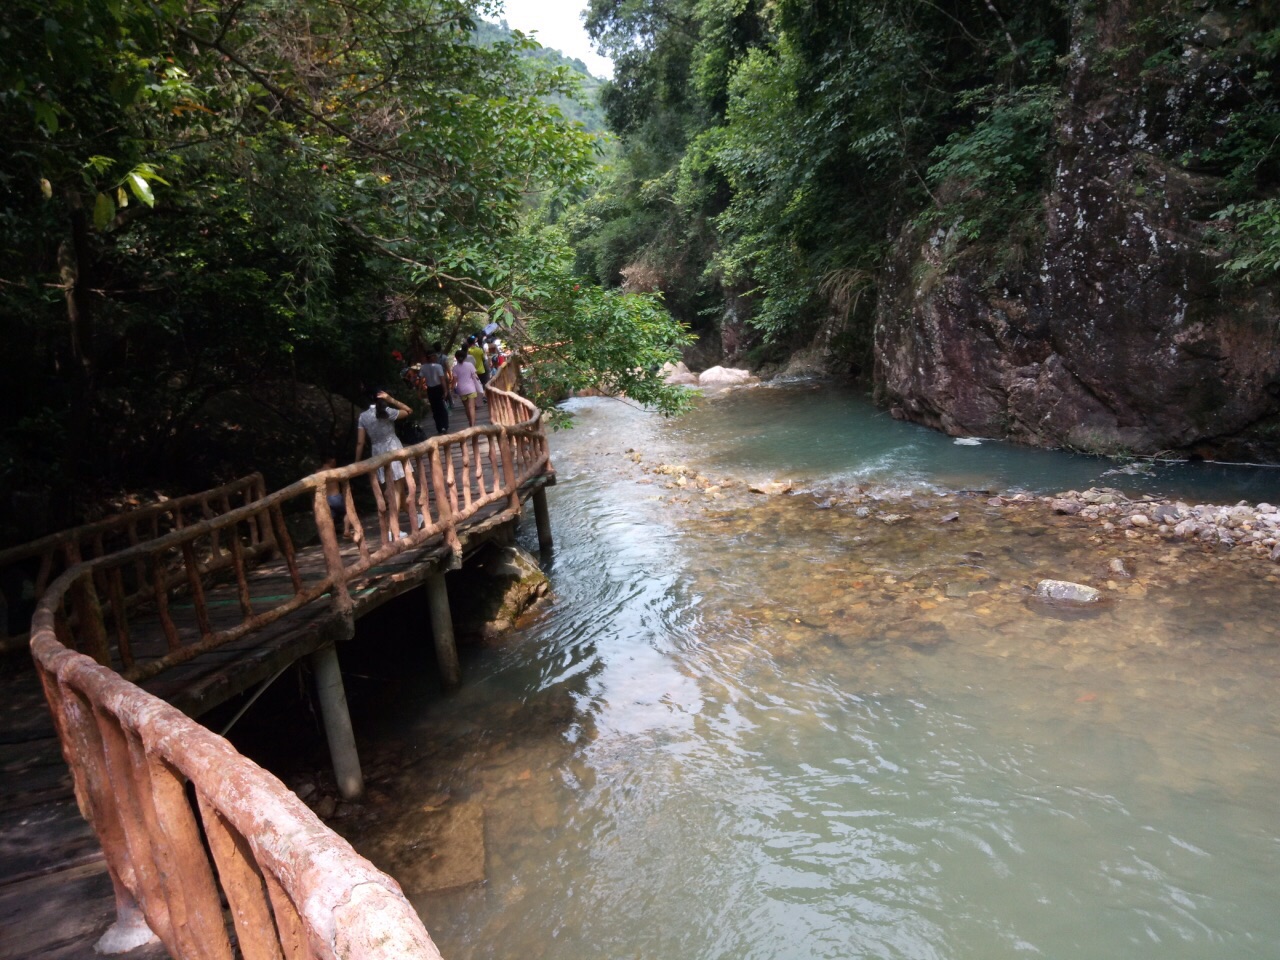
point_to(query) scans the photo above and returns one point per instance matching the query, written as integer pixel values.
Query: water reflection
(767, 730)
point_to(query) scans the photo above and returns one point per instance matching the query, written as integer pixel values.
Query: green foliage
(994, 168)
(1254, 239)
(194, 198)
(580, 106)
(583, 335)
(801, 131)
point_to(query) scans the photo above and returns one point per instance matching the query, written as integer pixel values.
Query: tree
(201, 197)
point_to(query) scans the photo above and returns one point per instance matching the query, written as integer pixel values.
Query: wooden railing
(294, 889)
(92, 612)
(27, 570)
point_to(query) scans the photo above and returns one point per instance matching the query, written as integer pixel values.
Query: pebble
(1238, 525)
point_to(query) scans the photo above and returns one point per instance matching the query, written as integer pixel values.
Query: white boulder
(1066, 590)
(725, 377)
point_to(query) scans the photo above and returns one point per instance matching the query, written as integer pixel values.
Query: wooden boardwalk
(55, 897)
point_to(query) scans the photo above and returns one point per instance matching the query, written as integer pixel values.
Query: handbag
(412, 433)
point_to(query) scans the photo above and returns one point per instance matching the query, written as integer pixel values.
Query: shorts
(337, 505)
(466, 396)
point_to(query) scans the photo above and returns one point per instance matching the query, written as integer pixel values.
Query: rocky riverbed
(1254, 527)
(859, 584)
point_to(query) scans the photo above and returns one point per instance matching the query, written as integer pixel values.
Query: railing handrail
(300, 879)
(121, 521)
(293, 886)
(268, 512)
(71, 546)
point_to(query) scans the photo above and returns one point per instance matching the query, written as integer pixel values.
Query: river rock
(725, 377)
(433, 848)
(677, 374)
(1117, 567)
(1140, 520)
(1068, 591)
(1064, 506)
(771, 487)
(489, 596)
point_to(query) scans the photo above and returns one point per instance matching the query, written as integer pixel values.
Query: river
(770, 727)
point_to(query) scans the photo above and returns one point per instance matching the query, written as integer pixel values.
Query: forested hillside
(215, 213)
(582, 107)
(1055, 221)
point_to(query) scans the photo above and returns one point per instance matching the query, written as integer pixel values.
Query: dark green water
(769, 728)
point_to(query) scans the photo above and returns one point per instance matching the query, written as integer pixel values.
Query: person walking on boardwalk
(377, 424)
(434, 378)
(446, 361)
(493, 358)
(476, 353)
(467, 384)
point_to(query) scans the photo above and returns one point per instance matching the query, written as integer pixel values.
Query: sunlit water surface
(765, 727)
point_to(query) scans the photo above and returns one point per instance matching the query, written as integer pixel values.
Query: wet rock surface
(488, 597)
(1102, 326)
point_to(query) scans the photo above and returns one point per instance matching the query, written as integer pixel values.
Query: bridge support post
(542, 516)
(442, 630)
(337, 722)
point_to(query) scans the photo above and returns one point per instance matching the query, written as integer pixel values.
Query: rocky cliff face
(1117, 333)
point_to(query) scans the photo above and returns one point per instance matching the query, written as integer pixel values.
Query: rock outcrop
(488, 597)
(1115, 333)
(678, 374)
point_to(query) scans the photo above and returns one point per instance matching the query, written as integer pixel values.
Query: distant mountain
(590, 114)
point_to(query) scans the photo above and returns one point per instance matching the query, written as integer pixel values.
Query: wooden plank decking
(55, 898)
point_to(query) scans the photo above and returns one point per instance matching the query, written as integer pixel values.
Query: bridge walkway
(47, 851)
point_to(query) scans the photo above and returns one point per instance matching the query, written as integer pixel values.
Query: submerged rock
(771, 487)
(433, 848)
(1067, 591)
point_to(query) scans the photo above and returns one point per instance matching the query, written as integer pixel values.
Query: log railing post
(444, 504)
(509, 471)
(88, 610)
(332, 555)
(242, 881)
(192, 568)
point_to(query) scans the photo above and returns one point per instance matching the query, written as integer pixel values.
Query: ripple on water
(754, 728)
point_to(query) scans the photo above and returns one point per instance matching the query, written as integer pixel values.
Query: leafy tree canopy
(771, 150)
(196, 197)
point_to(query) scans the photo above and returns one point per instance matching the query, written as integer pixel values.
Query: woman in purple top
(467, 384)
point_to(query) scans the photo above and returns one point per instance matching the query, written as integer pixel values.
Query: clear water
(769, 728)
(832, 434)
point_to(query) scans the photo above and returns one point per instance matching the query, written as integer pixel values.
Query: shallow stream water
(768, 727)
